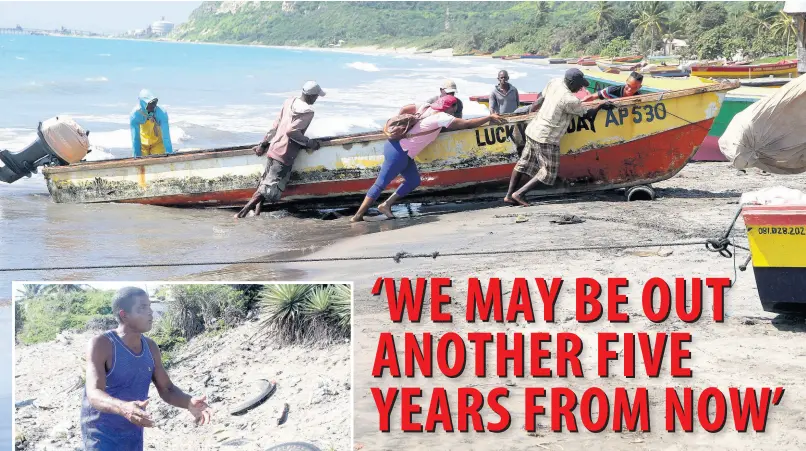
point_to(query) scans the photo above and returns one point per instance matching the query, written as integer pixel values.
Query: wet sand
(751, 348)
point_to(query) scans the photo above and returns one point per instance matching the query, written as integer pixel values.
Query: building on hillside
(162, 27)
(797, 9)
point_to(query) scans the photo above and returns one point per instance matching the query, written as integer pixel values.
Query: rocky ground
(315, 383)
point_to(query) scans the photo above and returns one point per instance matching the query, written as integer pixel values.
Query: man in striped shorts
(540, 160)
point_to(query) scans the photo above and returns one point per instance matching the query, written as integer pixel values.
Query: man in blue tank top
(121, 364)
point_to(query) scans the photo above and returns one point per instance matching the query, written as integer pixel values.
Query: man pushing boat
(121, 364)
(282, 144)
(540, 160)
(151, 133)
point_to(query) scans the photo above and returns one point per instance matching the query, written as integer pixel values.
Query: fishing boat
(526, 98)
(771, 82)
(557, 60)
(735, 101)
(511, 57)
(584, 62)
(533, 56)
(644, 140)
(628, 59)
(781, 68)
(609, 66)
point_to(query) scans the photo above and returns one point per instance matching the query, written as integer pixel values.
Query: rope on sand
(714, 245)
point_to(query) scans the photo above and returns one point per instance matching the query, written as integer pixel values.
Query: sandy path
(751, 348)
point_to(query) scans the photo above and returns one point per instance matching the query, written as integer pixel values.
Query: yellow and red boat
(646, 139)
(777, 238)
(628, 59)
(779, 69)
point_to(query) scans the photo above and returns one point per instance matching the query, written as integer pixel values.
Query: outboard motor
(61, 141)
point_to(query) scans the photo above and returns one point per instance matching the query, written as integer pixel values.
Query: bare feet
(356, 219)
(386, 210)
(517, 198)
(508, 200)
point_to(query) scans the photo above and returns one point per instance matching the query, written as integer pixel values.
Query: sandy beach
(751, 348)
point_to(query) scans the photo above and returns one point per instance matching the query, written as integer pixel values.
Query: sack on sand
(770, 134)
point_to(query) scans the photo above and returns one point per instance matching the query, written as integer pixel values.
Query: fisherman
(398, 155)
(504, 97)
(149, 126)
(540, 159)
(631, 88)
(448, 88)
(282, 143)
(121, 364)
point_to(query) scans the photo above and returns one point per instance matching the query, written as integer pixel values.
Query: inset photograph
(182, 366)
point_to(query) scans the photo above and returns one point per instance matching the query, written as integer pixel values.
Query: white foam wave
(366, 67)
(20, 58)
(98, 153)
(104, 54)
(97, 79)
(111, 119)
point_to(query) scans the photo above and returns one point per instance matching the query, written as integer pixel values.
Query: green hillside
(565, 28)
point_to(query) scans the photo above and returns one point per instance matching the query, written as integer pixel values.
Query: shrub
(306, 314)
(192, 309)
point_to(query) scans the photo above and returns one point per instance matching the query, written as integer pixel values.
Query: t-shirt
(559, 106)
(501, 103)
(295, 118)
(434, 121)
(611, 92)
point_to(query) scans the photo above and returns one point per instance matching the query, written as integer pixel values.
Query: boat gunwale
(358, 138)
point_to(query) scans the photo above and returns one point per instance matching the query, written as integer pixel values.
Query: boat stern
(777, 237)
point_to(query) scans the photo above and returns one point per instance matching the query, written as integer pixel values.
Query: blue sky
(102, 17)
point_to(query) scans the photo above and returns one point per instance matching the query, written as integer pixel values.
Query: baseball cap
(576, 76)
(449, 86)
(312, 88)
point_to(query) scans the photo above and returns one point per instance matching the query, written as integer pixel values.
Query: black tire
(267, 389)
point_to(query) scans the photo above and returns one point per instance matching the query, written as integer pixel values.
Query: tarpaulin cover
(770, 134)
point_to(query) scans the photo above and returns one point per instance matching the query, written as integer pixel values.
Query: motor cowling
(60, 141)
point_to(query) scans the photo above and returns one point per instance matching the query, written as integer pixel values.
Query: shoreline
(364, 50)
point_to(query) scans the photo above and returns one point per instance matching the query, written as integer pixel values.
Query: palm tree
(602, 13)
(783, 26)
(31, 290)
(652, 20)
(761, 14)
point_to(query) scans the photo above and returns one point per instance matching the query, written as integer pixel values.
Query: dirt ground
(751, 347)
(315, 383)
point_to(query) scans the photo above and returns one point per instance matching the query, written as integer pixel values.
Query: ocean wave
(104, 54)
(97, 79)
(20, 58)
(366, 67)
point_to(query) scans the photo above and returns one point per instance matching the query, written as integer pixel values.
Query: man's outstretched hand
(200, 410)
(135, 411)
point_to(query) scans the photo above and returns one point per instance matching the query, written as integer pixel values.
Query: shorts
(274, 179)
(541, 160)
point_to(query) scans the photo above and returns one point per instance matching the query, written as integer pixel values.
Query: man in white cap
(282, 144)
(448, 88)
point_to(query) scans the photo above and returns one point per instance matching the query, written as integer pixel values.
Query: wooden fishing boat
(533, 56)
(525, 98)
(511, 57)
(735, 101)
(781, 68)
(628, 59)
(771, 82)
(777, 238)
(609, 66)
(584, 62)
(557, 61)
(644, 140)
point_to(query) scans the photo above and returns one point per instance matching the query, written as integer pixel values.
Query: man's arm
(166, 132)
(169, 392)
(298, 124)
(493, 103)
(98, 352)
(135, 128)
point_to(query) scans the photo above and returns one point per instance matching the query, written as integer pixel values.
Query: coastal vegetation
(291, 313)
(710, 29)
